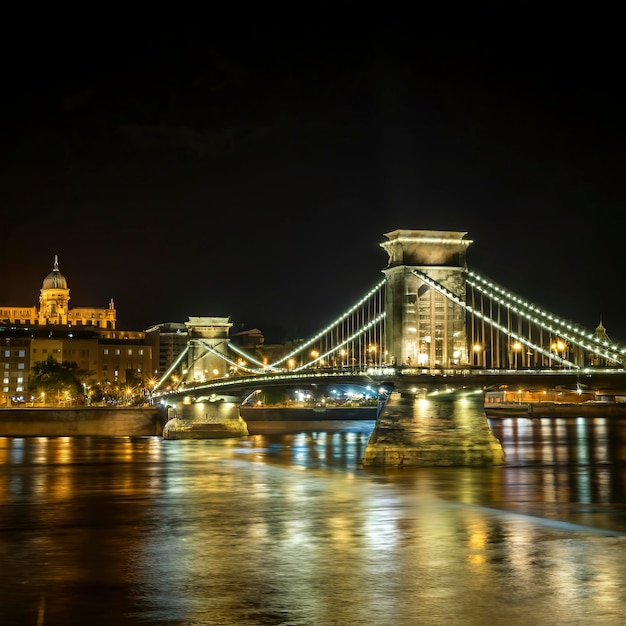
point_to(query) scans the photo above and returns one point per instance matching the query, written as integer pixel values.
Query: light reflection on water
(291, 529)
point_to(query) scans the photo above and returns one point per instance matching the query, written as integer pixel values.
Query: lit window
(106, 351)
(130, 351)
(20, 366)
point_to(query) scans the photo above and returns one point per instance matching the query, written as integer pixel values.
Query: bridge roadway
(406, 381)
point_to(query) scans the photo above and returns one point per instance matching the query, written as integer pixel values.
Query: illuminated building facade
(87, 336)
(602, 336)
(54, 309)
(424, 328)
(168, 340)
(115, 359)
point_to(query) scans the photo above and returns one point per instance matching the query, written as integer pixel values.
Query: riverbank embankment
(556, 409)
(85, 421)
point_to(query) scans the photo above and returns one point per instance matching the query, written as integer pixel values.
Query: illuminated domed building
(84, 335)
(54, 308)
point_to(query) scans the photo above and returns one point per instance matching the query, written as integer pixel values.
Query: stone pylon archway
(424, 328)
(206, 337)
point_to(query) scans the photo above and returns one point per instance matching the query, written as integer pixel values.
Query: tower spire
(56, 263)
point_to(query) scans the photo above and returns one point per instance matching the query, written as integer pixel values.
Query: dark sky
(248, 164)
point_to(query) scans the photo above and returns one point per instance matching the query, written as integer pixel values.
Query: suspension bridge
(430, 324)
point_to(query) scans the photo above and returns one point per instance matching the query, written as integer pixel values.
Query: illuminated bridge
(430, 324)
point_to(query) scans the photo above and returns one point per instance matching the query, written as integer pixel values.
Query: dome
(55, 280)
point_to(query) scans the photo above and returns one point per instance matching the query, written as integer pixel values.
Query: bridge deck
(409, 380)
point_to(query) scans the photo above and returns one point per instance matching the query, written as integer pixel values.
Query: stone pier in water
(441, 430)
(205, 420)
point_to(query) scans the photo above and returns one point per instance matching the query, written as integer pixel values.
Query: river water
(290, 529)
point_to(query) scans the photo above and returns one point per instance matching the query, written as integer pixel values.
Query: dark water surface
(290, 529)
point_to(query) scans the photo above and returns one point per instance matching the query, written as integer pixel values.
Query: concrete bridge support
(443, 430)
(205, 420)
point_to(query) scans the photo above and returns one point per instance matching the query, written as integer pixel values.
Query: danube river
(290, 529)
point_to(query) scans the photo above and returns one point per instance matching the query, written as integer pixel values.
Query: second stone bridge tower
(424, 328)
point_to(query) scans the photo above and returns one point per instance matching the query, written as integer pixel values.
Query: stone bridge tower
(424, 328)
(203, 364)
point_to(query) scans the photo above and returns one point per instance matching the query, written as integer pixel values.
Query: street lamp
(559, 348)
(562, 347)
(151, 385)
(372, 355)
(85, 394)
(529, 356)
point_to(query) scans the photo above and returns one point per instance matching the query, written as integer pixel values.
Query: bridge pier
(205, 420)
(442, 430)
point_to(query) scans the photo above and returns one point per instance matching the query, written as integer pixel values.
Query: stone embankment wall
(81, 421)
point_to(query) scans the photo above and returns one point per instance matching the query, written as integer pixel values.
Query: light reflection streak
(582, 433)
(600, 452)
(210, 530)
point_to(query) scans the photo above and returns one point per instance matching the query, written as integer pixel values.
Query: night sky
(248, 165)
